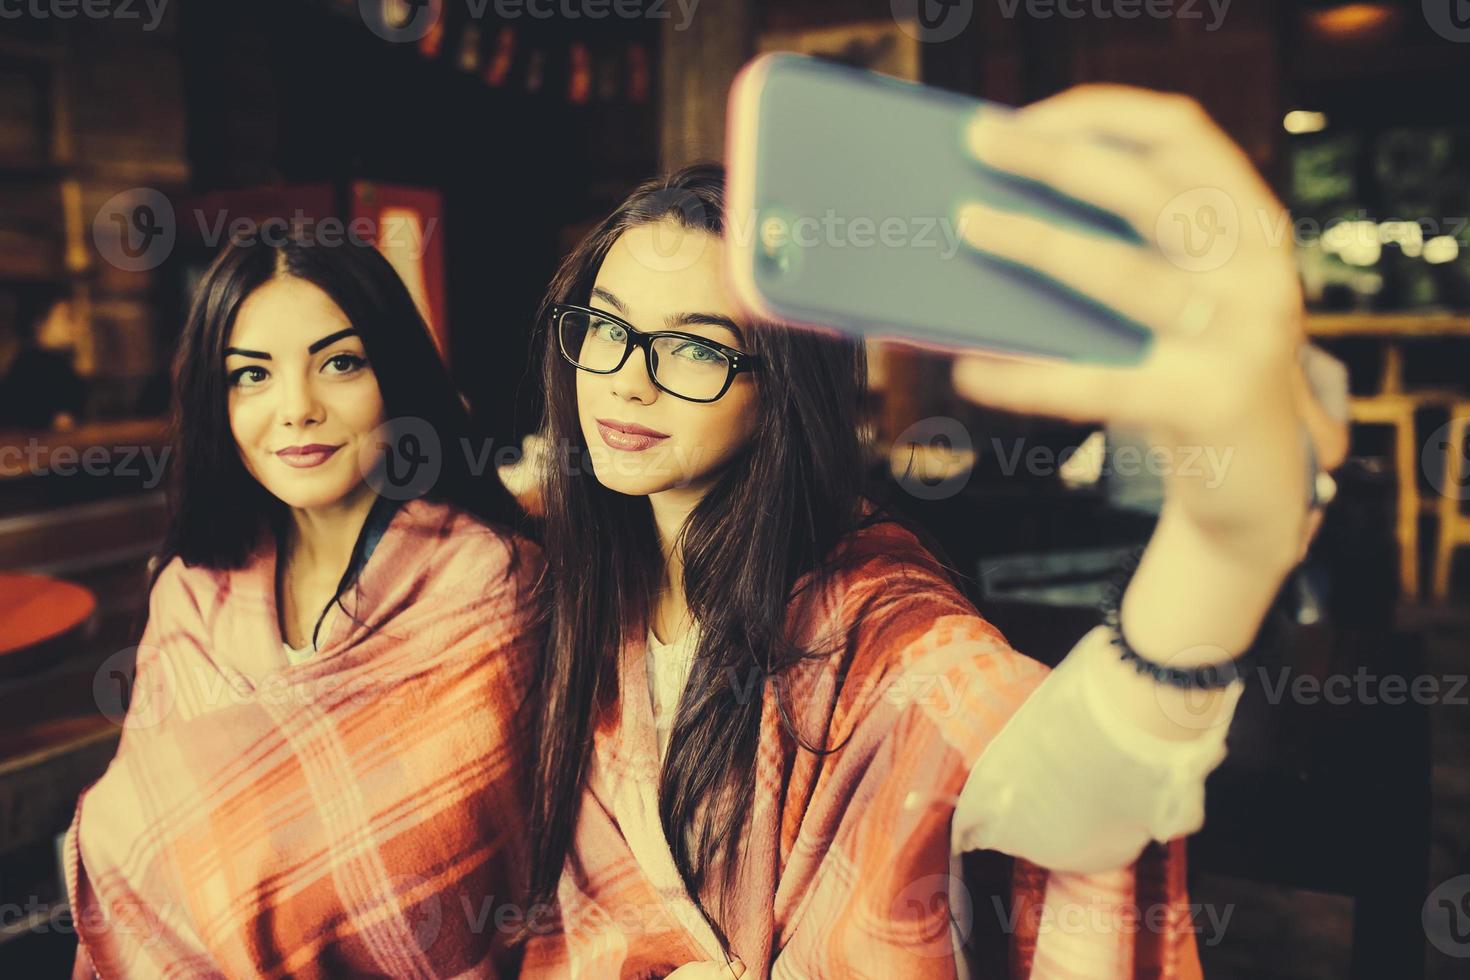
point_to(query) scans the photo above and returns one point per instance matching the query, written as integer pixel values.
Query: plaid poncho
(845, 866)
(354, 815)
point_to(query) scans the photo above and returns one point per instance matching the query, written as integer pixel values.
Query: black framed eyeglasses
(685, 365)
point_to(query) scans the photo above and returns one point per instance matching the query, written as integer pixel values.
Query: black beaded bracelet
(1203, 678)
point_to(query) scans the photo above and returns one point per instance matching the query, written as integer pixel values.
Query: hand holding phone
(845, 189)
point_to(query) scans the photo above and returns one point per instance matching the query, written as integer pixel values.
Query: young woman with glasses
(321, 756)
(770, 722)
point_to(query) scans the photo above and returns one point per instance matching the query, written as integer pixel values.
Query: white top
(295, 655)
(1069, 783)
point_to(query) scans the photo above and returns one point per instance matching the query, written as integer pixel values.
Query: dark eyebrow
(331, 338)
(617, 304)
(709, 320)
(679, 319)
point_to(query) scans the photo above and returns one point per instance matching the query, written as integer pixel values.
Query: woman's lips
(628, 436)
(305, 457)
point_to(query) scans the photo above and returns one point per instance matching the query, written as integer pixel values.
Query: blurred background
(475, 142)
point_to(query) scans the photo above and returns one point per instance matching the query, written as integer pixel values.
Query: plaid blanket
(846, 862)
(352, 815)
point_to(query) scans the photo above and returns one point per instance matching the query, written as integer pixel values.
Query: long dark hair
(775, 514)
(219, 512)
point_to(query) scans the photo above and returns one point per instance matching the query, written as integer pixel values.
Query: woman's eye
(610, 331)
(697, 352)
(345, 363)
(246, 377)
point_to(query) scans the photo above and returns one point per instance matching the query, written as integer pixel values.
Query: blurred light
(1407, 235)
(1305, 121)
(1441, 248)
(1352, 21)
(1084, 467)
(1355, 242)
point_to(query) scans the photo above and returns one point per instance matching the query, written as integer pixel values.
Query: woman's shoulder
(890, 591)
(887, 553)
(182, 593)
(464, 547)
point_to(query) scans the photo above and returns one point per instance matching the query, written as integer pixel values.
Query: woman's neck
(320, 539)
(670, 611)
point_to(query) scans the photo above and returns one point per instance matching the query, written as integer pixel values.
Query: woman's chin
(308, 498)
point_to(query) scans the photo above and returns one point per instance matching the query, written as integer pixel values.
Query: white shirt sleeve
(1071, 784)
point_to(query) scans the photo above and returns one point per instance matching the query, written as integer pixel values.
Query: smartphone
(842, 190)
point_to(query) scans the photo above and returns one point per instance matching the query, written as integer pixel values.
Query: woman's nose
(299, 405)
(632, 381)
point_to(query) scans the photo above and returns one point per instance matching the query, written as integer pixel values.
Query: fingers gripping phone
(841, 214)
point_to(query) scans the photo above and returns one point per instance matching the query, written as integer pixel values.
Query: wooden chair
(1397, 411)
(1454, 526)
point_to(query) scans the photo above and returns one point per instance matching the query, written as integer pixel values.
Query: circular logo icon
(1199, 230)
(135, 230)
(410, 461)
(1435, 460)
(932, 459)
(122, 699)
(401, 21)
(932, 20)
(1191, 708)
(1450, 19)
(928, 908)
(420, 906)
(676, 244)
(1446, 917)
